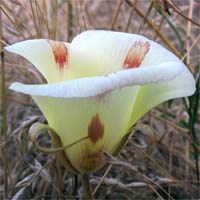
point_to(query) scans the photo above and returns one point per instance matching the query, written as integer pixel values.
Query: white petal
(51, 58)
(153, 94)
(86, 87)
(97, 53)
(71, 118)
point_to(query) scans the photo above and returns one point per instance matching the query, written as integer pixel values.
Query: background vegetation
(167, 169)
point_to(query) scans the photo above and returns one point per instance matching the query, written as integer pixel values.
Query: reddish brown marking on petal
(95, 129)
(91, 162)
(60, 53)
(136, 54)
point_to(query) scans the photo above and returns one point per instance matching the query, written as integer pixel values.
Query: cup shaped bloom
(99, 85)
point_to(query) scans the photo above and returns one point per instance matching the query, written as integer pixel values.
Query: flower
(99, 85)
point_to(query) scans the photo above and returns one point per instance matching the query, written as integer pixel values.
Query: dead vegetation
(168, 169)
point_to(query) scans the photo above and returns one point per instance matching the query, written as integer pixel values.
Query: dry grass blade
(189, 26)
(116, 15)
(3, 135)
(3, 43)
(27, 123)
(56, 19)
(18, 194)
(146, 130)
(145, 17)
(159, 27)
(35, 19)
(45, 16)
(130, 186)
(16, 2)
(102, 179)
(41, 170)
(16, 20)
(59, 177)
(40, 18)
(180, 13)
(129, 20)
(125, 165)
(13, 23)
(27, 180)
(190, 48)
(68, 18)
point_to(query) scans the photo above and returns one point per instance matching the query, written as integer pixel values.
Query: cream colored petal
(103, 118)
(51, 58)
(153, 94)
(97, 53)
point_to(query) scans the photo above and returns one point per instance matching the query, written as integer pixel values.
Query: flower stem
(86, 187)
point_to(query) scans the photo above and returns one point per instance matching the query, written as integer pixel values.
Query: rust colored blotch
(60, 53)
(136, 54)
(92, 162)
(95, 129)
